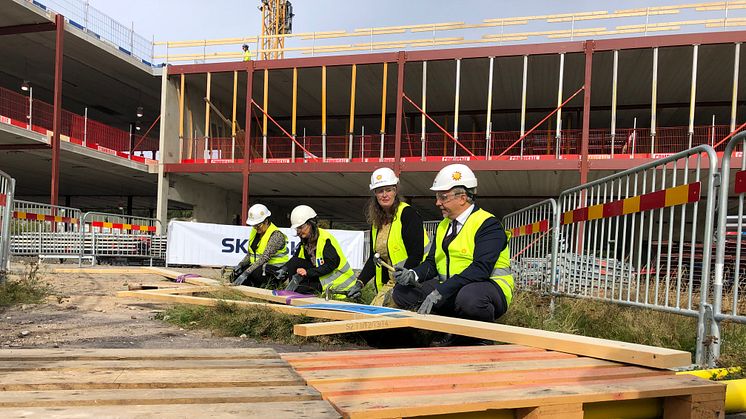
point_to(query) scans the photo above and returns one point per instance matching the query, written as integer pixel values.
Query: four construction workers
(463, 271)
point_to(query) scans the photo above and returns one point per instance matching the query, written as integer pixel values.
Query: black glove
(241, 278)
(405, 277)
(356, 291)
(294, 282)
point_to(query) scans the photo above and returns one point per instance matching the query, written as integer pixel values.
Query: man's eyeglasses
(444, 197)
(384, 190)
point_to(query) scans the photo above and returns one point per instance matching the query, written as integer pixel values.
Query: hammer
(377, 259)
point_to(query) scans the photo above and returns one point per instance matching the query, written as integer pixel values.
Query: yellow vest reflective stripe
(461, 253)
(395, 244)
(279, 258)
(247, 55)
(340, 279)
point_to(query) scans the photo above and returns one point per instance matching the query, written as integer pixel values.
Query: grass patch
(260, 323)
(28, 289)
(626, 324)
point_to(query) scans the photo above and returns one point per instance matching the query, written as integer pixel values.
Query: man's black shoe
(444, 341)
(449, 339)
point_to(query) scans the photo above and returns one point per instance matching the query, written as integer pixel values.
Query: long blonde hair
(377, 216)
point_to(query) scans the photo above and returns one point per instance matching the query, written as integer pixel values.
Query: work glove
(431, 300)
(405, 277)
(294, 282)
(281, 274)
(241, 278)
(356, 291)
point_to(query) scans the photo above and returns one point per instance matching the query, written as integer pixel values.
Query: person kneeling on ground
(466, 273)
(318, 264)
(267, 250)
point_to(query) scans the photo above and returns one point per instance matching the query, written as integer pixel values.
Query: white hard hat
(257, 214)
(300, 215)
(383, 177)
(454, 175)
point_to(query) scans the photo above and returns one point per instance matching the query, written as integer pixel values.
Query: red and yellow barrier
(121, 226)
(43, 217)
(528, 229)
(678, 195)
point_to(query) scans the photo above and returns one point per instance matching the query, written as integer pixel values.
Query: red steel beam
(401, 61)
(670, 40)
(584, 165)
(246, 166)
(29, 28)
(204, 167)
(57, 112)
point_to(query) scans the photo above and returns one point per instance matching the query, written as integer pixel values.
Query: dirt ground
(83, 312)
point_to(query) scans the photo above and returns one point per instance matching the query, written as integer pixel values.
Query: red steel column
(400, 62)
(247, 145)
(589, 46)
(59, 21)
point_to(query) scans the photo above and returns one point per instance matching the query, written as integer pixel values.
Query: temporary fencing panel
(533, 246)
(7, 188)
(113, 235)
(729, 270)
(45, 230)
(633, 237)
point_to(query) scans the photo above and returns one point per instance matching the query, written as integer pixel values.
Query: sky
(171, 20)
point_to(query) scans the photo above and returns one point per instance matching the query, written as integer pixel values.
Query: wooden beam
(358, 325)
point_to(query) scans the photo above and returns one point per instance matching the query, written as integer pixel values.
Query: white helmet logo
(456, 176)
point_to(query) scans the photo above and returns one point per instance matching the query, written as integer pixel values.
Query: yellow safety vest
(461, 253)
(341, 279)
(279, 258)
(395, 244)
(247, 55)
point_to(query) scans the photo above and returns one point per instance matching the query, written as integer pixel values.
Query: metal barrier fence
(533, 245)
(49, 231)
(633, 237)
(7, 189)
(729, 271)
(87, 18)
(113, 235)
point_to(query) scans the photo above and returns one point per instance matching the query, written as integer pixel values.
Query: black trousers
(483, 301)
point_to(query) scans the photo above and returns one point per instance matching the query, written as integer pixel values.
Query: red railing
(93, 134)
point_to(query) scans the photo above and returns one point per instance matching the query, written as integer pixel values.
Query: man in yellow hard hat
(467, 272)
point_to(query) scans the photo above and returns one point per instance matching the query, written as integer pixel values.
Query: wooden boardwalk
(157, 383)
(504, 381)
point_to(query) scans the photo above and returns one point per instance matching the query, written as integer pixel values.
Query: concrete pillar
(169, 142)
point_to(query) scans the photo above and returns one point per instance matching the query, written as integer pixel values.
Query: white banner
(225, 245)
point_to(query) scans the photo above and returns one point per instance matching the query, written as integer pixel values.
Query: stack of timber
(162, 383)
(505, 381)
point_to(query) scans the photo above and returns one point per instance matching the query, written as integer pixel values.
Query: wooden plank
(301, 409)
(579, 345)
(189, 289)
(116, 379)
(211, 302)
(402, 404)
(695, 406)
(120, 354)
(157, 396)
(300, 357)
(365, 374)
(348, 326)
(558, 411)
(630, 353)
(148, 364)
(375, 362)
(484, 380)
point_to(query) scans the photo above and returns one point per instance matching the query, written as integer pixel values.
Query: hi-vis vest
(395, 244)
(461, 253)
(247, 55)
(279, 258)
(341, 278)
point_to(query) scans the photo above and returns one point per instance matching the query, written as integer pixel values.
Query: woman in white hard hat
(267, 250)
(397, 234)
(318, 264)
(467, 272)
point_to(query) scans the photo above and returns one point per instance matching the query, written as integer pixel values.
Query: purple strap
(182, 278)
(291, 295)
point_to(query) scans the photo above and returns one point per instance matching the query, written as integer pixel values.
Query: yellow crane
(277, 20)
